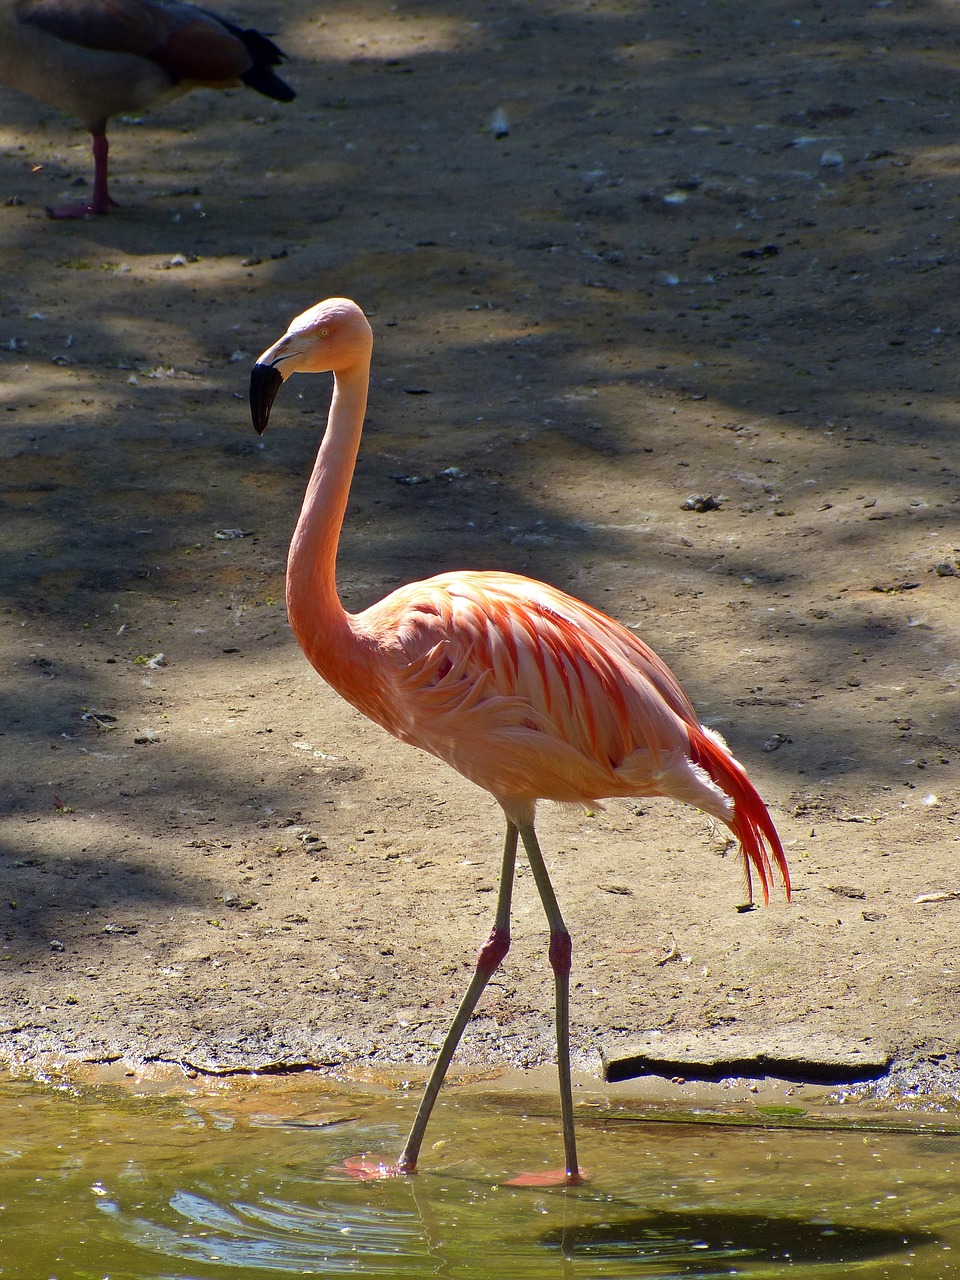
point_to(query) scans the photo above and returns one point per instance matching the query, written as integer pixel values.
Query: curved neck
(313, 604)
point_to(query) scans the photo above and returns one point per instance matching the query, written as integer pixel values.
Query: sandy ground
(617, 257)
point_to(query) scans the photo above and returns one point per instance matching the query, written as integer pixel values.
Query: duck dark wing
(187, 42)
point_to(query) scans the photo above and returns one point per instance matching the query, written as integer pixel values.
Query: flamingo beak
(265, 381)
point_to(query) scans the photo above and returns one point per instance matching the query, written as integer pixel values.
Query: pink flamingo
(527, 692)
(98, 58)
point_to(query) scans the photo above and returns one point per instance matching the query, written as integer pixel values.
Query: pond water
(210, 1181)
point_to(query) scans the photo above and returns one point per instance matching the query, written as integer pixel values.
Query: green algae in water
(95, 1182)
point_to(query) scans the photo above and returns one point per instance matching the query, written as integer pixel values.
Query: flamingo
(527, 692)
(96, 58)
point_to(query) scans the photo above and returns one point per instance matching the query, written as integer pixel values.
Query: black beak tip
(265, 381)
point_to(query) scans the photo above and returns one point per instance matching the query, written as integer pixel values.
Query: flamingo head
(331, 336)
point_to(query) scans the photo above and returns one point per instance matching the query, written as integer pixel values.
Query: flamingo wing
(526, 690)
(534, 695)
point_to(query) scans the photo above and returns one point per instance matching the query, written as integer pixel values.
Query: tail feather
(750, 821)
(268, 83)
(265, 55)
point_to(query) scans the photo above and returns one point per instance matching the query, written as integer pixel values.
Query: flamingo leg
(561, 951)
(488, 960)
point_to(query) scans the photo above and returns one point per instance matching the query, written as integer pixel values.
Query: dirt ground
(666, 307)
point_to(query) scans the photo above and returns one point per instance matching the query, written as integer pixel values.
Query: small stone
(702, 502)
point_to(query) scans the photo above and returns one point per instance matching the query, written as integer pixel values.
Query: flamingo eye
(324, 332)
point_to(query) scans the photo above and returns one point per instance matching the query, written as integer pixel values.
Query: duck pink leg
(101, 202)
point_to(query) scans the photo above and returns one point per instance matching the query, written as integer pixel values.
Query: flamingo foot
(549, 1178)
(372, 1169)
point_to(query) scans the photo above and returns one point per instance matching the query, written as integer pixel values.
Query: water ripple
(280, 1235)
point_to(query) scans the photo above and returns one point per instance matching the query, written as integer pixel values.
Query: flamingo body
(98, 58)
(533, 695)
(526, 691)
